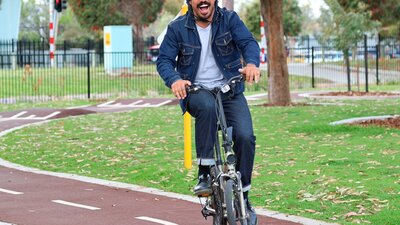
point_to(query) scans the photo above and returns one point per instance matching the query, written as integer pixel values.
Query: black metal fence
(26, 73)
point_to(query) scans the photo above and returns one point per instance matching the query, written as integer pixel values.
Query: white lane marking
(11, 192)
(136, 104)
(2, 223)
(30, 117)
(18, 114)
(51, 115)
(163, 222)
(75, 205)
(78, 107)
(105, 104)
(163, 103)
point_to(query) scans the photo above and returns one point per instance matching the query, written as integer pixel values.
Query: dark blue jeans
(202, 106)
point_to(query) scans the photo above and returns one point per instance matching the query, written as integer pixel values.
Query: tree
(34, 24)
(92, 15)
(140, 13)
(348, 28)
(279, 92)
(387, 12)
(172, 6)
(292, 17)
(69, 28)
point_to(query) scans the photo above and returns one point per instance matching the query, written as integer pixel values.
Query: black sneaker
(203, 188)
(252, 216)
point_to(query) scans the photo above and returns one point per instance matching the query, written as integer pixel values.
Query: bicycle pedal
(204, 195)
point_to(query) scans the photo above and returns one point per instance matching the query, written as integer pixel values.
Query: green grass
(303, 166)
(141, 81)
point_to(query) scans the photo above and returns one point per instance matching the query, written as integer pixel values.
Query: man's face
(203, 9)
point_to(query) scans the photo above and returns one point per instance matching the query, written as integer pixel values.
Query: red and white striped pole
(263, 44)
(52, 17)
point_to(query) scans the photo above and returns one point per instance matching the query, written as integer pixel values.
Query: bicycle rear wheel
(233, 210)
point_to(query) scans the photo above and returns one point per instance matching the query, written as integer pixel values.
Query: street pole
(51, 29)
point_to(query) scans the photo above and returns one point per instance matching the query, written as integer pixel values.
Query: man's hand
(179, 88)
(251, 72)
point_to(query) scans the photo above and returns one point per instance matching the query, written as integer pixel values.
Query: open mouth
(203, 7)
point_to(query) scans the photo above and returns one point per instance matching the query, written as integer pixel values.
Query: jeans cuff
(205, 162)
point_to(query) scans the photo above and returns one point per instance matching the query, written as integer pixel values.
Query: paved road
(338, 74)
(30, 197)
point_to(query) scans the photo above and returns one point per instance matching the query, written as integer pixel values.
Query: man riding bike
(209, 45)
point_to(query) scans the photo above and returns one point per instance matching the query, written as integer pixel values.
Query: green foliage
(70, 30)
(94, 14)
(251, 17)
(348, 27)
(387, 12)
(292, 17)
(150, 10)
(172, 6)
(34, 24)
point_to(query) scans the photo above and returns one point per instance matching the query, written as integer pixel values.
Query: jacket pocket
(224, 44)
(186, 53)
(234, 66)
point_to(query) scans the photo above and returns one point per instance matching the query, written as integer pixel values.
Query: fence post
(347, 61)
(378, 55)
(88, 68)
(14, 55)
(312, 68)
(65, 52)
(366, 62)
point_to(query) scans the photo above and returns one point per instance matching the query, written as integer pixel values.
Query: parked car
(152, 53)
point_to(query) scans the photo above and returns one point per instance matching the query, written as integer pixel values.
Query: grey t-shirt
(208, 73)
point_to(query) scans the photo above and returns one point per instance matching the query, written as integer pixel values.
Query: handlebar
(225, 88)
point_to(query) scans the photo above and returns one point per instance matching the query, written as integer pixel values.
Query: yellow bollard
(187, 138)
(187, 124)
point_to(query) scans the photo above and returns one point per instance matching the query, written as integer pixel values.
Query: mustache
(202, 3)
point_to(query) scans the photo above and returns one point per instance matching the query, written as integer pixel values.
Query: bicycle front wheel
(217, 201)
(233, 208)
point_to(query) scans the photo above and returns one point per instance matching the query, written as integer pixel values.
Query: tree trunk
(139, 43)
(228, 4)
(279, 92)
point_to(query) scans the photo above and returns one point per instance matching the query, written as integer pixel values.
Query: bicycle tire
(233, 205)
(230, 202)
(217, 201)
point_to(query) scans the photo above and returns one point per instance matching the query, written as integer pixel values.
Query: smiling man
(208, 46)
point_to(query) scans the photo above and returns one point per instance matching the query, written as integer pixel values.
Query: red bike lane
(29, 196)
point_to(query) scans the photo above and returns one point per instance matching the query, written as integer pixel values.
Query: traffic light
(64, 4)
(60, 5)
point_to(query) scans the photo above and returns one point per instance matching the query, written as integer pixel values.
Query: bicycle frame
(225, 165)
(230, 159)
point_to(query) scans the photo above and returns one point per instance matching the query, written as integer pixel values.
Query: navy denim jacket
(231, 42)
